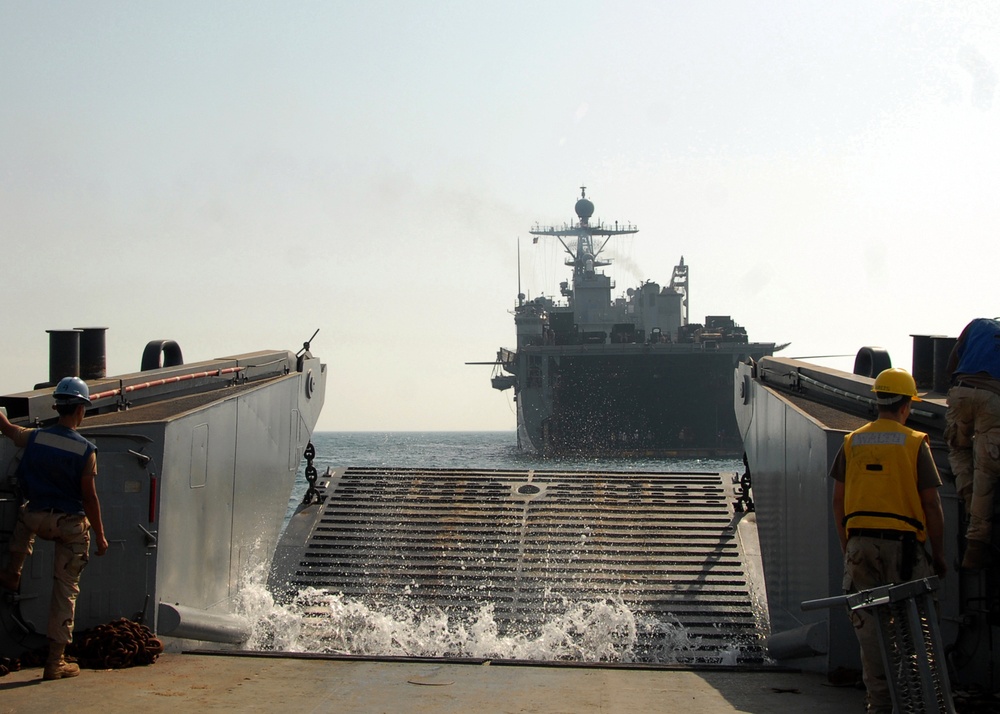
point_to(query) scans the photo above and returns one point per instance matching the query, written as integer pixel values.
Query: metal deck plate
(530, 542)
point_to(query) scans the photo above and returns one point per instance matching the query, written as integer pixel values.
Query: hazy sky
(235, 175)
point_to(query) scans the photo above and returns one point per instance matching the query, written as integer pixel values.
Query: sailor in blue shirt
(57, 475)
(973, 432)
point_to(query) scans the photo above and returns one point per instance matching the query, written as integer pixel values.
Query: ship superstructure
(624, 375)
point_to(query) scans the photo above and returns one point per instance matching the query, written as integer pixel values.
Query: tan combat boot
(56, 666)
(10, 577)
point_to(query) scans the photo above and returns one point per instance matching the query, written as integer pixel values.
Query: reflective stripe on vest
(56, 441)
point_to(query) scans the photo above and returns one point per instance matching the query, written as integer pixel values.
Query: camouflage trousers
(869, 563)
(71, 535)
(972, 430)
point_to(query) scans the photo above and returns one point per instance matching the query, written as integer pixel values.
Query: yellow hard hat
(896, 381)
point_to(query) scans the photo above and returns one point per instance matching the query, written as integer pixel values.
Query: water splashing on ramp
(599, 631)
(609, 567)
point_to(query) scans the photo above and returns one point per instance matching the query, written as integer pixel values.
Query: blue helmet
(72, 390)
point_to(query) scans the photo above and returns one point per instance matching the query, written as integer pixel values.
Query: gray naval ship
(195, 469)
(629, 375)
(794, 415)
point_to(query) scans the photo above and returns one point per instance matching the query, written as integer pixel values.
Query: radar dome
(584, 209)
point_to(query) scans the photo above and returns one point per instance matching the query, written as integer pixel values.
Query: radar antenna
(583, 256)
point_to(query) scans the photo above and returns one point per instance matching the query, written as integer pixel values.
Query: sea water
(600, 630)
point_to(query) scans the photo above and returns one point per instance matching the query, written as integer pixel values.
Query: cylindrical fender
(169, 350)
(871, 361)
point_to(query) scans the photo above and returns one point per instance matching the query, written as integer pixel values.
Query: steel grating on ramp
(667, 545)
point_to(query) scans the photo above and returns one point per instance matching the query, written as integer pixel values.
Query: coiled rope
(116, 645)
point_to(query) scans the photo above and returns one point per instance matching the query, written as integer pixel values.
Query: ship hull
(194, 480)
(649, 400)
(794, 416)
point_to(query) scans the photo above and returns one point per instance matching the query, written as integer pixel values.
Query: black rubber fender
(871, 361)
(169, 350)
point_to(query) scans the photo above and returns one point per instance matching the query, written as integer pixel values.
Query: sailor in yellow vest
(886, 507)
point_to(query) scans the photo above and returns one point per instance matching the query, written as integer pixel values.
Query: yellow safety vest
(880, 488)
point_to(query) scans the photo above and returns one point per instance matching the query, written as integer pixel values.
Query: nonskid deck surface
(534, 543)
(205, 683)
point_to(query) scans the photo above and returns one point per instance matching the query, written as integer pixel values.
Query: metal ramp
(668, 545)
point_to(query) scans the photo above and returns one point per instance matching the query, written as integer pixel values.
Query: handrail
(165, 380)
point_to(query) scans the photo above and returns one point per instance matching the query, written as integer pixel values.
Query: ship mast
(584, 257)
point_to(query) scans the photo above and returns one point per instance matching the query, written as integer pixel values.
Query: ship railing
(176, 379)
(795, 380)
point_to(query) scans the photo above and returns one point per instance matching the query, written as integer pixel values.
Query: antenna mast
(520, 299)
(586, 252)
